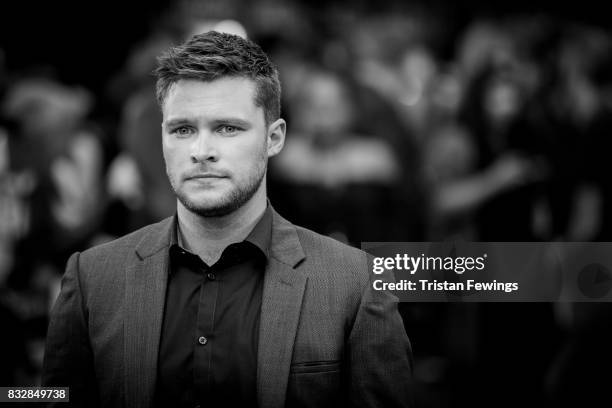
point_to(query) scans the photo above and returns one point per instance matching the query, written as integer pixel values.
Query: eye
(228, 129)
(183, 131)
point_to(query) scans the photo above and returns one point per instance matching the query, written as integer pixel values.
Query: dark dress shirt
(209, 339)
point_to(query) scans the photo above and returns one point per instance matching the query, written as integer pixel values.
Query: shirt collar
(260, 235)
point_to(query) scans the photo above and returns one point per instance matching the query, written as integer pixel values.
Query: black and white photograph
(293, 203)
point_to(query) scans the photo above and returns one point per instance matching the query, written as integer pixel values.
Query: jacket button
(202, 340)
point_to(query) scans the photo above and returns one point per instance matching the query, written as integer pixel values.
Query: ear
(276, 137)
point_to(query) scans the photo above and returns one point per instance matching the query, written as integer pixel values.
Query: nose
(203, 149)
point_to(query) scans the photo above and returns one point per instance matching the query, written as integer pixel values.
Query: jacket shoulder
(327, 247)
(123, 246)
(337, 259)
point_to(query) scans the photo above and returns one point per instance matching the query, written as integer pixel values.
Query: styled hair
(213, 55)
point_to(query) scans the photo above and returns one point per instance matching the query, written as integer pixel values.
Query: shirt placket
(205, 336)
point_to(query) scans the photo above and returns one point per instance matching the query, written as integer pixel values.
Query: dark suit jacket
(327, 339)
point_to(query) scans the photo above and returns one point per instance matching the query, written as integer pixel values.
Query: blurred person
(15, 191)
(348, 155)
(484, 42)
(136, 178)
(14, 211)
(484, 159)
(394, 59)
(417, 71)
(17, 367)
(487, 172)
(324, 115)
(62, 153)
(510, 165)
(449, 157)
(51, 198)
(225, 303)
(575, 376)
(484, 155)
(582, 108)
(597, 146)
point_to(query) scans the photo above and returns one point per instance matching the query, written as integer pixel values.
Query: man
(226, 303)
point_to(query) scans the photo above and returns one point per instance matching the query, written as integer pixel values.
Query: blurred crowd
(401, 127)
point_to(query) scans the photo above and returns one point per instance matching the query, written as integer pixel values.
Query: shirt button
(202, 340)
(211, 276)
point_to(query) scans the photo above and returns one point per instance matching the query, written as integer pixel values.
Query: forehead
(227, 96)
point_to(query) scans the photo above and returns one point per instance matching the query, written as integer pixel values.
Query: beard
(229, 202)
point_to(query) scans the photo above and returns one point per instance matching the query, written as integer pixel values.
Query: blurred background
(407, 121)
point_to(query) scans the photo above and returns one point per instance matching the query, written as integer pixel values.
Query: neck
(209, 236)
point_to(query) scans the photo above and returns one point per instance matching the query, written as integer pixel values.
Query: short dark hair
(214, 55)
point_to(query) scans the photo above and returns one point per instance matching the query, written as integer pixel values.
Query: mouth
(206, 176)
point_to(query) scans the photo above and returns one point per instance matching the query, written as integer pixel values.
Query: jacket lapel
(280, 312)
(146, 281)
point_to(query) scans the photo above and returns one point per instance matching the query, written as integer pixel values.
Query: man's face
(215, 143)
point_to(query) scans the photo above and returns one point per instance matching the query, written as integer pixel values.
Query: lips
(205, 176)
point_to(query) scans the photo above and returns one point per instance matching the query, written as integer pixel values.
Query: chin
(213, 211)
(209, 204)
(219, 199)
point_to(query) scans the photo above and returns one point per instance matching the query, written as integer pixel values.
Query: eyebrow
(175, 122)
(215, 122)
(231, 121)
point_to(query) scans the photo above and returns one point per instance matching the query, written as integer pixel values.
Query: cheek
(173, 157)
(246, 155)
(167, 148)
